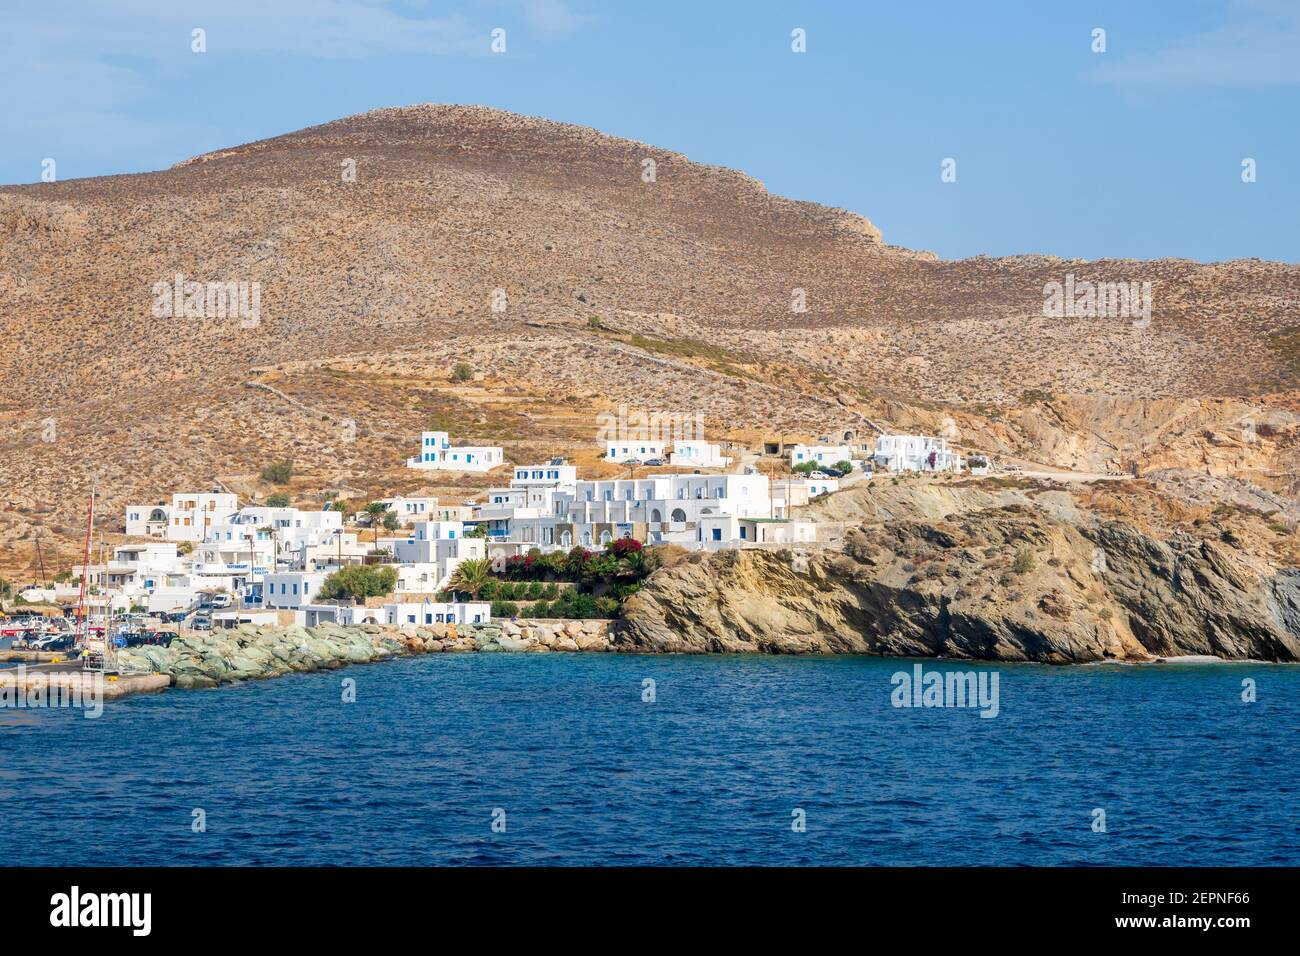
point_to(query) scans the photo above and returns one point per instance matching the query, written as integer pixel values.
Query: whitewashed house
(441, 545)
(291, 589)
(187, 518)
(634, 450)
(438, 454)
(663, 509)
(823, 456)
(417, 613)
(411, 509)
(555, 474)
(698, 454)
(729, 531)
(148, 521)
(434, 612)
(915, 453)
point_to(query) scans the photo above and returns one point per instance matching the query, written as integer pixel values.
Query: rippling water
(710, 772)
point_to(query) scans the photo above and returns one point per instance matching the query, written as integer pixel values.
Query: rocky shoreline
(250, 652)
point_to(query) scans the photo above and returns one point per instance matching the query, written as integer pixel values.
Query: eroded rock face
(1013, 583)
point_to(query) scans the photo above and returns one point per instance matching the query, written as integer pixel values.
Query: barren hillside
(673, 294)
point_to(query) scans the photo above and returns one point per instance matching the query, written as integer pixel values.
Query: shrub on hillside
(278, 472)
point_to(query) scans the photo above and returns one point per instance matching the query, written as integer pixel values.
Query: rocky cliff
(1029, 574)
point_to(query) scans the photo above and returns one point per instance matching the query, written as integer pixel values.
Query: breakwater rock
(250, 652)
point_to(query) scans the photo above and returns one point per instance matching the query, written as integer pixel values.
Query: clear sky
(1135, 151)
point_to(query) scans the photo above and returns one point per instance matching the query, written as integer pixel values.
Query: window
(744, 533)
(717, 534)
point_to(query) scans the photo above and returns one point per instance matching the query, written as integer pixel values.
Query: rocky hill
(572, 271)
(983, 571)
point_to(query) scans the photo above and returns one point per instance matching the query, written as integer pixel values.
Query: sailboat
(96, 648)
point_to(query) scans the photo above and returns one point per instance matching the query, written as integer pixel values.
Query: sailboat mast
(83, 627)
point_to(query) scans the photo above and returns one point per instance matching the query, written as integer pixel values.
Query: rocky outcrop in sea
(1028, 574)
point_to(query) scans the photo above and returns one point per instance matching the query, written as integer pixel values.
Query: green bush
(504, 609)
(278, 472)
(360, 581)
(277, 500)
(1024, 562)
(462, 372)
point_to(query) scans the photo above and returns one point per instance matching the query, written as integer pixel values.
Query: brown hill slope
(673, 294)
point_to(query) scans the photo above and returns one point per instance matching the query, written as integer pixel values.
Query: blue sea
(565, 752)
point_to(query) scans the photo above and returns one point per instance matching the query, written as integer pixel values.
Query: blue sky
(1136, 151)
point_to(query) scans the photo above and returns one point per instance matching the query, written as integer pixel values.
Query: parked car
(653, 462)
(201, 623)
(152, 638)
(53, 642)
(221, 600)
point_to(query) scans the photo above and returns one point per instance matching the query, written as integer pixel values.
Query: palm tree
(472, 576)
(375, 509)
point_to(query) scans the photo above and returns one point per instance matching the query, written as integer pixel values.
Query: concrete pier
(69, 681)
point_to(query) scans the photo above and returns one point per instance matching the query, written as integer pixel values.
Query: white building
(292, 527)
(824, 456)
(291, 589)
(915, 453)
(434, 612)
(439, 547)
(556, 474)
(409, 612)
(790, 493)
(634, 450)
(698, 454)
(411, 509)
(438, 454)
(188, 518)
(148, 521)
(655, 510)
(729, 531)
(134, 569)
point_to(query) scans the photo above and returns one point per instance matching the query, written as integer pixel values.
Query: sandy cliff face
(1040, 579)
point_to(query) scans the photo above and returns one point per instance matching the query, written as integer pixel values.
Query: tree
(375, 509)
(360, 581)
(277, 500)
(471, 576)
(391, 521)
(804, 468)
(462, 372)
(478, 531)
(844, 467)
(278, 472)
(340, 507)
